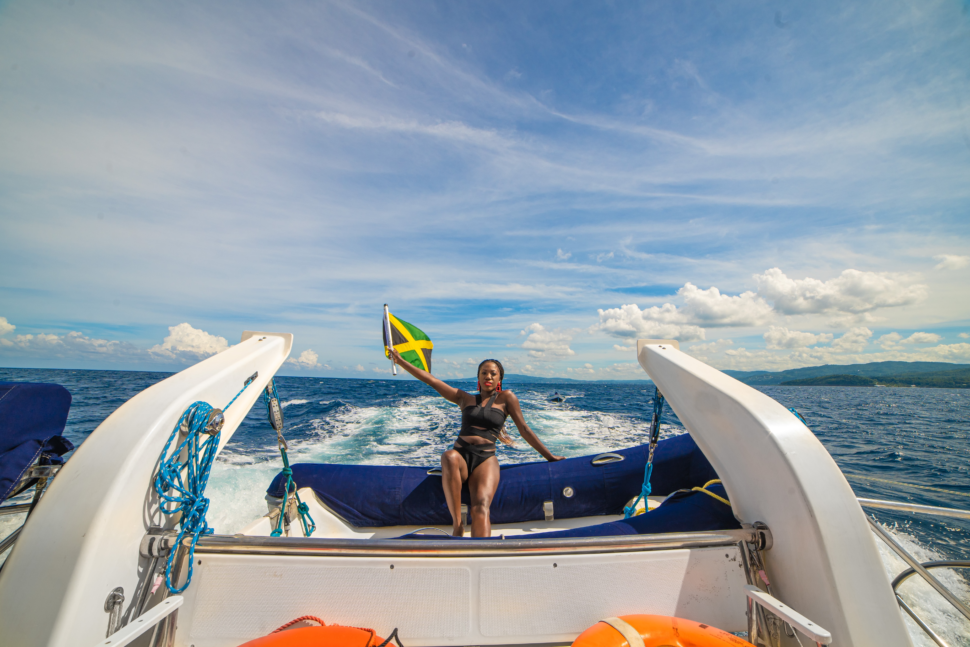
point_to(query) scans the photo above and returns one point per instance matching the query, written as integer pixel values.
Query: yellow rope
(704, 490)
(921, 487)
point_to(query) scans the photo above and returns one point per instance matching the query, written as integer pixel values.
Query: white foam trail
(414, 431)
(10, 522)
(922, 598)
(289, 402)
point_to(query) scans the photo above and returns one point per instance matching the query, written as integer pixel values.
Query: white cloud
(853, 341)
(563, 256)
(704, 351)
(701, 308)
(779, 338)
(951, 262)
(711, 308)
(186, 342)
(603, 257)
(629, 321)
(624, 349)
(890, 341)
(630, 371)
(853, 292)
(183, 345)
(894, 341)
(307, 359)
(359, 368)
(964, 335)
(922, 338)
(947, 352)
(6, 326)
(711, 347)
(73, 345)
(626, 370)
(547, 344)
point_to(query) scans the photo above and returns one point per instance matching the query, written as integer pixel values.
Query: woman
(473, 457)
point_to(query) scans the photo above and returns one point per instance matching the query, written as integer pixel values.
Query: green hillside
(952, 379)
(873, 370)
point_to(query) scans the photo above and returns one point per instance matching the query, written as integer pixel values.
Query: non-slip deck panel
(371, 495)
(441, 601)
(241, 598)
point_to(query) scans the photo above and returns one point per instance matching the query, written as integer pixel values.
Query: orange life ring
(324, 635)
(658, 631)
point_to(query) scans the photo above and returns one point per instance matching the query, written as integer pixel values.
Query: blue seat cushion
(32, 417)
(373, 496)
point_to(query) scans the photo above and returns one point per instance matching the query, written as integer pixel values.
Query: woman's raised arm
(515, 411)
(448, 392)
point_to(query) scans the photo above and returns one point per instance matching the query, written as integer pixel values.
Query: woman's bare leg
(481, 487)
(454, 472)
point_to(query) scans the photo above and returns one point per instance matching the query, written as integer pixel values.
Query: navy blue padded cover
(32, 417)
(682, 512)
(373, 495)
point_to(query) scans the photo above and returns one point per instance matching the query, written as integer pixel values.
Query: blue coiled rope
(658, 407)
(186, 495)
(272, 398)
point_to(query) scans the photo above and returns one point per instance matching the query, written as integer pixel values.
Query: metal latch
(547, 510)
(113, 606)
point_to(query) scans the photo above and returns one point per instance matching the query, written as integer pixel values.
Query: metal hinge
(157, 543)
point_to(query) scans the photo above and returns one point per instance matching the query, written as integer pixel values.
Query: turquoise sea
(904, 444)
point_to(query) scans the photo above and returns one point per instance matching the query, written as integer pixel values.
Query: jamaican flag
(414, 346)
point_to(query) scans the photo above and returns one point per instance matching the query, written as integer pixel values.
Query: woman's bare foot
(458, 531)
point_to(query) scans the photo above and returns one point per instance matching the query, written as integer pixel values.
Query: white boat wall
(824, 561)
(83, 538)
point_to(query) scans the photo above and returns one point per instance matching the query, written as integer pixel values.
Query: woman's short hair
(501, 369)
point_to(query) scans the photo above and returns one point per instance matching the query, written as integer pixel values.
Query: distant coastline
(959, 379)
(942, 375)
(889, 374)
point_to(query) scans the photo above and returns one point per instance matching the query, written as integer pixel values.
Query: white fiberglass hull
(83, 540)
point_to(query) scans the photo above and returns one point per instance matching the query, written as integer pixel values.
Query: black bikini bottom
(474, 454)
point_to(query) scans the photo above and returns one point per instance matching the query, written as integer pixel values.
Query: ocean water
(903, 444)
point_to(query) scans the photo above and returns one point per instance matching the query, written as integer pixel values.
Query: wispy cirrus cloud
(299, 165)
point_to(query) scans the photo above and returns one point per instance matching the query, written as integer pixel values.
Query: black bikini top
(484, 422)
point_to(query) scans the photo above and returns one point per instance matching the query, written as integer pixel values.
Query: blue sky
(775, 184)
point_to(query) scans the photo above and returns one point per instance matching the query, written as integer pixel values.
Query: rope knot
(199, 428)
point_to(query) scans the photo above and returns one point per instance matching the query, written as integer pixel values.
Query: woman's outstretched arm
(449, 393)
(512, 406)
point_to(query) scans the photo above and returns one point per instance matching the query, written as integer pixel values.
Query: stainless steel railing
(916, 567)
(252, 545)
